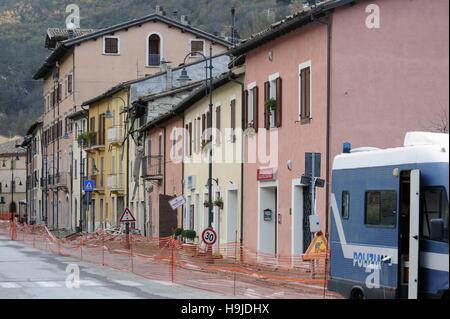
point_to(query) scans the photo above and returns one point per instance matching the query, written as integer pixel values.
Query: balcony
(61, 180)
(116, 183)
(115, 135)
(153, 167)
(95, 142)
(99, 183)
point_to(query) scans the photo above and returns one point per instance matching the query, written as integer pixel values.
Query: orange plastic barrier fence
(233, 270)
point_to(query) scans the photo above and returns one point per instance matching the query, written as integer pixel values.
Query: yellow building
(107, 155)
(227, 159)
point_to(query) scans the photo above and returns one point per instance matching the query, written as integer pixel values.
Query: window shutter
(190, 139)
(266, 111)
(218, 126)
(233, 119)
(245, 110)
(255, 107)
(279, 110)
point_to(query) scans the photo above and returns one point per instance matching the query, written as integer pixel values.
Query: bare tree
(440, 124)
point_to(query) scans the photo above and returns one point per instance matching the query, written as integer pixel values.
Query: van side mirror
(437, 229)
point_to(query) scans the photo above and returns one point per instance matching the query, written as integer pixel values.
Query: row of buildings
(130, 108)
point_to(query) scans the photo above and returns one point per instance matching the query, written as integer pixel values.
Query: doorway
(298, 244)
(231, 217)
(267, 220)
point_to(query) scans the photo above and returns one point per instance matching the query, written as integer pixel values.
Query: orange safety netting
(232, 271)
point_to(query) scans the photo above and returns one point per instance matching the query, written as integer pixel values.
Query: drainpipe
(230, 77)
(328, 138)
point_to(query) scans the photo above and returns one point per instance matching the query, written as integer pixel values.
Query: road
(27, 273)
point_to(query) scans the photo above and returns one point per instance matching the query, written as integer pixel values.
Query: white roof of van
(420, 147)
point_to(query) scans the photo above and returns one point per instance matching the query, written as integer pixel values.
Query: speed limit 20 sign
(209, 236)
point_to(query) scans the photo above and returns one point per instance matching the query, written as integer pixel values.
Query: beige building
(84, 64)
(227, 158)
(13, 179)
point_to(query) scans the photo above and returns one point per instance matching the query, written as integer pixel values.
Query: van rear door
(414, 235)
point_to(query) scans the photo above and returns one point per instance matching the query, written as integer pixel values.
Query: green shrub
(189, 234)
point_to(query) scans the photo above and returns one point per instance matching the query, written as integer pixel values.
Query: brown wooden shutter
(233, 120)
(279, 111)
(256, 108)
(245, 110)
(203, 129)
(218, 126)
(190, 139)
(266, 111)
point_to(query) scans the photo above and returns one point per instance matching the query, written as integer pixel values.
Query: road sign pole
(127, 234)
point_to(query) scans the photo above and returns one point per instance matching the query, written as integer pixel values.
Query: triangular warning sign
(318, 248)
(127, 217)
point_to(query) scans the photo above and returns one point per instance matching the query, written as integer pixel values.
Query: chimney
(160, 10)
(185, 20)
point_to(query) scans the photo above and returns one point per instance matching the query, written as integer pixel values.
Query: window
(111, 45)
(345, 205)
(70, 83)
(174, 143)
(197, 46)
(272, 111)
(305, 93)
(154, 50)
(251, 108)
(233, 120)
(434, 206)
(381, 208)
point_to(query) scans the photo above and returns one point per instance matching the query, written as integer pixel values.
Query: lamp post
(209, 84)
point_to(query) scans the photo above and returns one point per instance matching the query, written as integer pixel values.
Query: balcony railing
(116, 182)
(153, 167)
(115, 134)
(98, 180)
(61, 180)
(154, 59)
(95, 141)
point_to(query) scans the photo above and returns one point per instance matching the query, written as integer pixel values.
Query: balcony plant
(206, 204)
(219, 202)
(271, 104)
(177, 233)
(84, 137)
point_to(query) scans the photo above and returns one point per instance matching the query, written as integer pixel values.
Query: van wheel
(357, 293)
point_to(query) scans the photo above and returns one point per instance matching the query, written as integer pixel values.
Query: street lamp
(209, 78)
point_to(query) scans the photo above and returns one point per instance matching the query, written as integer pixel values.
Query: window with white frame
(111, 45)
(305, 92)
(250, 110)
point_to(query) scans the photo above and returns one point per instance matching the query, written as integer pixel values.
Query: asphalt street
(27, 273)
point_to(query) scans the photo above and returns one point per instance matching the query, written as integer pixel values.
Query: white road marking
(90, 283)
(9, 285)
(48, 284)
(128, 283)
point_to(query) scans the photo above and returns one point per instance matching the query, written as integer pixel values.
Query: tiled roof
(56, 35)
(289, 24)
(9, 148)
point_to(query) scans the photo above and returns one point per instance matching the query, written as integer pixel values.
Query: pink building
(365, 72)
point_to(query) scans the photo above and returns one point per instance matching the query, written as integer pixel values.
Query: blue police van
(389, 220)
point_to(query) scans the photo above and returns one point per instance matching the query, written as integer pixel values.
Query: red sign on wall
(266, 174)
